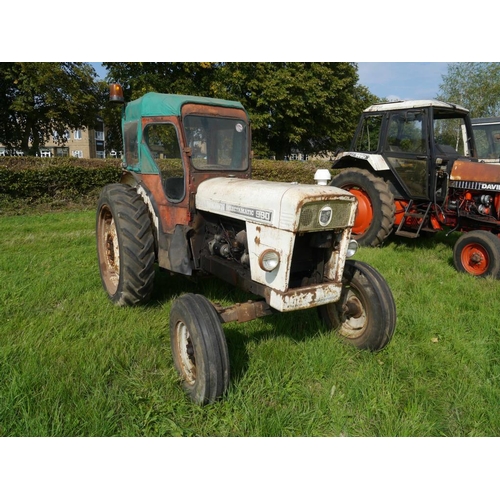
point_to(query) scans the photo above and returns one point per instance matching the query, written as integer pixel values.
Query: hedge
(31, 182)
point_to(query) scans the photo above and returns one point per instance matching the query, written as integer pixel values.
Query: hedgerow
(287, 171)
(54, 183)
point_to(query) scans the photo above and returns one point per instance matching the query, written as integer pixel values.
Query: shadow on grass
(169, 286)
(426, 240)
(297, 326)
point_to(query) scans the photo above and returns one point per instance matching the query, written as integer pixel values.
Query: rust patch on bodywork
(257, 238)
(170, 214)
(475, 171)
(243, 312)
(203, 109)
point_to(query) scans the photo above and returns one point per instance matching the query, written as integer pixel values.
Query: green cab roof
(156, 104)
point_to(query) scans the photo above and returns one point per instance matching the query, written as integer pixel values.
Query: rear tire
(125, 245)
(376, 209)
(199, 348)
(478, 253)
(365, 315)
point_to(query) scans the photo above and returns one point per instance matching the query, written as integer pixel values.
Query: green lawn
(72, 364)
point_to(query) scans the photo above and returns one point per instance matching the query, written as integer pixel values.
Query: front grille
(306, 217)
(309, 215)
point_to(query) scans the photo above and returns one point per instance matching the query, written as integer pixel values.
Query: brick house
(81, 143)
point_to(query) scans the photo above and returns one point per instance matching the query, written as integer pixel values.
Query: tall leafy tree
(309, 107)
(187, 78)
(474, 85)
(40, 98)
(137, 78)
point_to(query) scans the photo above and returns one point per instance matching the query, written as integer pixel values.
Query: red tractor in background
(414, 170)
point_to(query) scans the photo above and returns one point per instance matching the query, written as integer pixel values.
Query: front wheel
(365, 315)
(478, 253)
(199, 348)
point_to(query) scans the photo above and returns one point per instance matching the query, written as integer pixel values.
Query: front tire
(199, 348)
(478, 253)
(125, 245)
(376, 209)
(365, 315)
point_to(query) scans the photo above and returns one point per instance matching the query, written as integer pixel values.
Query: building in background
(81, 143)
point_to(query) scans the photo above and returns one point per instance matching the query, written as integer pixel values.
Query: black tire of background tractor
(365, 315)
(376, 193)
(199, 348)
(478, 253)
(125, 245)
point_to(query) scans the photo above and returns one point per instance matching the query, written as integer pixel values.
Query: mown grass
(72, 364)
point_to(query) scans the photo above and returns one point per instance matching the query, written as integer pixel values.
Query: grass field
(72, 364)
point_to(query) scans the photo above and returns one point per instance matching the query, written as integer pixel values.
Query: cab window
(406, 133)
(163, 146)
(217, 143)
(448, 136)
(131, 145)
(368, 138)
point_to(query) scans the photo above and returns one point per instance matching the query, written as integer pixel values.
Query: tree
(474, 85)
(169, 78)
(38, 99)
(137, 78)
(309, 107)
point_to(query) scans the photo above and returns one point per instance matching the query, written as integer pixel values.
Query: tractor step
(409, 214)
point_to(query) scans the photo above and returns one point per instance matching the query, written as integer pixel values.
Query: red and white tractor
(414, 170)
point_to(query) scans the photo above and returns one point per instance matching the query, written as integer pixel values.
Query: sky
(393, 80)
(403, 80)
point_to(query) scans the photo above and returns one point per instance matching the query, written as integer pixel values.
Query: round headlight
(325, 216)
(269, 260)
(352, 248)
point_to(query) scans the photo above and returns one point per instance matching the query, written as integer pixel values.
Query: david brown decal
(491, 187)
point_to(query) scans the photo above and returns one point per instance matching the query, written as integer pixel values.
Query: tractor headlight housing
(352, 248)
(269, 260)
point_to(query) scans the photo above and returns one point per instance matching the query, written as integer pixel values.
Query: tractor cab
(417, 141)
(487, 137)
(174, 142)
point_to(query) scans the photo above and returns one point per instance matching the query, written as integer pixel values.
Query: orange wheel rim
(364, 213)
(475, 259)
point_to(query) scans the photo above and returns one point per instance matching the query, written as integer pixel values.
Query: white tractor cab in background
(487, 138)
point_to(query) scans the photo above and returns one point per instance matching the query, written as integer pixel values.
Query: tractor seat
(447, 149)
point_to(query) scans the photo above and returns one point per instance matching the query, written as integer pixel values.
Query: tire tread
(137, 255)
(384, 206)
